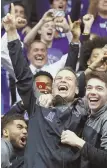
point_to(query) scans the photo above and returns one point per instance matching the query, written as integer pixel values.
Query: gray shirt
(6, 153)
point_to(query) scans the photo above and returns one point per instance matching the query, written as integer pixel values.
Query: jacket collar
(99, 112)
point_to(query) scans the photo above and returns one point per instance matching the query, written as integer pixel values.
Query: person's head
(65, 84)
(96, 90)
(98, 7)
(58, 4)
(43, 81)
(14, 129)
(19, 9)
(47, 32)
(90, 52)
(102, 7)
(37, 54)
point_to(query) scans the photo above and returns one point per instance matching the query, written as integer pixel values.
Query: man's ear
(39, 32)
(88, 62)
(77, 91)
(5, 132)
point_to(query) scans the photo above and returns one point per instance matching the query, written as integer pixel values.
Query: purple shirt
(54, 55)
(59, 47)
(99, 27)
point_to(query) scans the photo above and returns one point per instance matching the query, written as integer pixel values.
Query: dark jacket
(95, 133)
(44, 149)
(97, 157)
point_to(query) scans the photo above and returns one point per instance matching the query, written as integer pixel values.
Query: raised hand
(9, 20)
(48, 16)
(20, 22)
(61, 22)
(70, 23)
(75, 28)
(88, 20)
(100, 63)
(45, 100)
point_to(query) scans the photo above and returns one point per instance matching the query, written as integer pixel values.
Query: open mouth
(23, 140)
(49, 34)
(38, 58)
(63, 88)
(60, 7)
(93, 100)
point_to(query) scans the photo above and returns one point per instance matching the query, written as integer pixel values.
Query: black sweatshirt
(44, 149)
(95, 156)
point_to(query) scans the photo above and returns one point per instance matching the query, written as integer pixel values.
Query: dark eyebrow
(20, 125)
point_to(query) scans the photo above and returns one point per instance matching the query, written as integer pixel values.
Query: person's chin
(63, 95)
(94, 106)
(39, 65)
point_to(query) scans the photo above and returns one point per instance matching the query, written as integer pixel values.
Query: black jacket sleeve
(95, 156)
(72, 56)
(81, 84)
(75, 12)
(23, 75)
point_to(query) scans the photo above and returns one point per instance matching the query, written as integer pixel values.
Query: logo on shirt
(50, 116)
(103, 25)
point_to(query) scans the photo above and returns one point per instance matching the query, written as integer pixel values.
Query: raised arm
(74, 46)
(20, 65)
(29, 38)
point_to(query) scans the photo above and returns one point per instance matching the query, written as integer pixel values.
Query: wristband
(90, 68)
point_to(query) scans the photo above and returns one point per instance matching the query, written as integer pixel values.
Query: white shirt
(6, 61)
(51, 68)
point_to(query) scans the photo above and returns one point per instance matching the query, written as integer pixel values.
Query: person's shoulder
(4, 147)
(82, 106)
(104, 116)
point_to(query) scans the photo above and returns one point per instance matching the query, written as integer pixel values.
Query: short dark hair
(43, 73)
(19, 3)
(9, 118)
(99, 75)
(87, 48)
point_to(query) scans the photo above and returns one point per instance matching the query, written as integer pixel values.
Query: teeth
(49, 34)
(39, 58)
(93, 99)
(63, 88)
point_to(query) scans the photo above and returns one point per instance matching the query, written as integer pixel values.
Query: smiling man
(65, 84)
(94, 143)
(96, 93)
(37, 54)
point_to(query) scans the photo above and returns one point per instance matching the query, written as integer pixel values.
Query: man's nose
(39, 52)
(24, 131)
(63, 80)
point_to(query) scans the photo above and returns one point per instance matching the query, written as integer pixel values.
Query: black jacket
(44, 149)
(97, 157)
(95, 133)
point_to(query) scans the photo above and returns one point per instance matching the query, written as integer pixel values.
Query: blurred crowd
(54, 84)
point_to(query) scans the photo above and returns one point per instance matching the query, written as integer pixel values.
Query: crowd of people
(54, 86)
